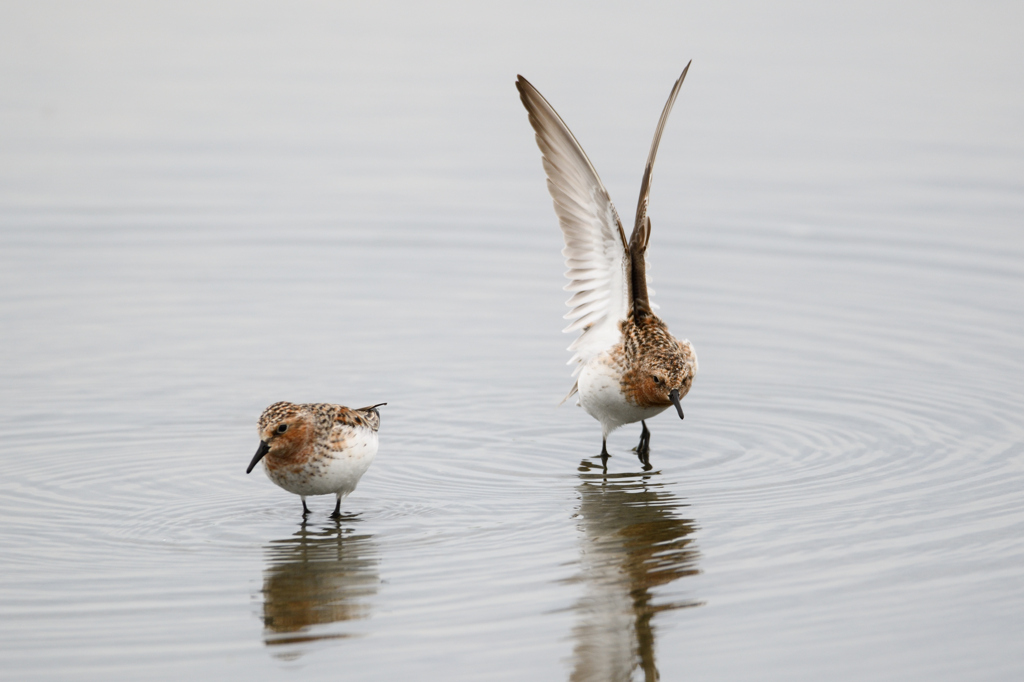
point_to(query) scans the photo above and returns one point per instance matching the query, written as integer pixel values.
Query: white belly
(335, 472)
(602, 398)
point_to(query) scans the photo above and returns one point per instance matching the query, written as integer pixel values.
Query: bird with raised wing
(629, 367)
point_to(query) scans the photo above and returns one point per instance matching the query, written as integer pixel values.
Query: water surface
(206, 210)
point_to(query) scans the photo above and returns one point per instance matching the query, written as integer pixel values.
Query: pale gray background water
(207, 209)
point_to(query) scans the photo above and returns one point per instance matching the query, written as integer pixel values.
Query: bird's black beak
(673, 395)
(264, 449)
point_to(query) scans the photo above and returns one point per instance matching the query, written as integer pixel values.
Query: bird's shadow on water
(320, 576)
(633, 538)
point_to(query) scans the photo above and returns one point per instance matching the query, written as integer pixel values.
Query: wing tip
(575, 389)
(526, 91)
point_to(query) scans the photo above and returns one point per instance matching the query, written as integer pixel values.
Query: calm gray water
(206, 210)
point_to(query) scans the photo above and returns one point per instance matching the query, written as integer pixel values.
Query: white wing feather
(595, 244)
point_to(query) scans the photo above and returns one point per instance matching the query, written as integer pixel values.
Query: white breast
(334, 471)
(602, 397)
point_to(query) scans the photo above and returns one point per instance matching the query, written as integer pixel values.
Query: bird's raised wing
(645, 184)
(638, 240)
(595, 244)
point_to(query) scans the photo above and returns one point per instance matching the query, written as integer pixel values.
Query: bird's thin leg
(337, 509)
(643, 448)
(305, 509)
(604, 453)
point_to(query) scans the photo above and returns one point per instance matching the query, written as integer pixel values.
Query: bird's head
(286, 431)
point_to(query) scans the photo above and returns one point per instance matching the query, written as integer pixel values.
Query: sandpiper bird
(317, 448)
(630, 367)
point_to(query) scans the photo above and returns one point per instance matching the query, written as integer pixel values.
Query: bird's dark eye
(282, 428)
(657, 380)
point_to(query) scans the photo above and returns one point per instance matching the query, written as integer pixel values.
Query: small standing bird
(630, 368)
(317, 448)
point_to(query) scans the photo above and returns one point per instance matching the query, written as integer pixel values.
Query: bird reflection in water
(633, 540)
(319, 576)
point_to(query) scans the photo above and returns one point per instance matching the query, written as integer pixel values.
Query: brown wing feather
(364, 416)
(638, 240)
